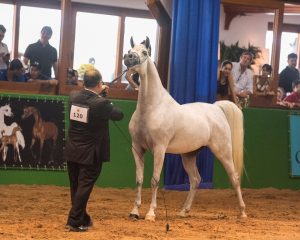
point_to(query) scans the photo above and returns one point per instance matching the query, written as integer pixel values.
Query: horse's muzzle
(131, 60)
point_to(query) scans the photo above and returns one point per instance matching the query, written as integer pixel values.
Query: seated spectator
(15, 72)
(225, 85)
(293, 99)
(263, 82)
(133, 79)
(72, 78)
(35, 75)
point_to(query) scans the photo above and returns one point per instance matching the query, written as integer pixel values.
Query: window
(139, 28)
(96, 42)
(6, 13)
(289, 44)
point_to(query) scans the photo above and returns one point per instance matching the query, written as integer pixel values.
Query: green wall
(120, 172)
(267, 157)
(267, 151)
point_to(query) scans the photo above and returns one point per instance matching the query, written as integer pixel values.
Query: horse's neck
(151, 90)
(37, 118)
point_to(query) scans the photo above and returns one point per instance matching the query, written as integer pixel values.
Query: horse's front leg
(159, 154)
(138, 154)
(31, 146)
(17, 150)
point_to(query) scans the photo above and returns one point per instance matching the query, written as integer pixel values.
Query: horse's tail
(236, 122)
(20, 139)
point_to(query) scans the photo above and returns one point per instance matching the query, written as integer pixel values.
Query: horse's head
(138, 54)
(27, 111)
(6, 110)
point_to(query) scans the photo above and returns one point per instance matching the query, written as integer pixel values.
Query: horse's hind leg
(138, 154)
(225, 157)
(189, 164)
(159, 154)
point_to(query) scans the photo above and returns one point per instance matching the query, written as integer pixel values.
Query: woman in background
(225, 85)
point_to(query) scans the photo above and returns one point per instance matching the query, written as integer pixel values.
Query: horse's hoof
(243, 215)
(150, 218)
(133, 216)
(183, 214)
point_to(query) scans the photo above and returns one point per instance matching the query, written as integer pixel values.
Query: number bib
(79, 113)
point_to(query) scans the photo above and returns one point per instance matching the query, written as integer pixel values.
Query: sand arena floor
(39, 212)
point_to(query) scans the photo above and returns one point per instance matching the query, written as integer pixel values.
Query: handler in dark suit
(87, 146)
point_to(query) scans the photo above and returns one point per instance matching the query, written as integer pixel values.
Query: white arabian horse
(161, 125)
(11, 130)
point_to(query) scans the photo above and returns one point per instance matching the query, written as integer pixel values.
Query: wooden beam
(65, 37)
(164, 21)
(16, 31)
(158, 11)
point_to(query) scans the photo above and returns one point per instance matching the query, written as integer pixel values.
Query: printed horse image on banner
(32, 132)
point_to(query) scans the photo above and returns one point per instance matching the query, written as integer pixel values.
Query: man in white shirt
(243, 76)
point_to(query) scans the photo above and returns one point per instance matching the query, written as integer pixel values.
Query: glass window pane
(289, 44)
(32, 20)
(96, 40)
(139, 28)
(7, 13)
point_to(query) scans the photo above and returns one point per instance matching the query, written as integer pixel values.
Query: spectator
(16, 71)
(4, 55)
(35, 75)
(294, 98)
(243, 78)
(72, 77)
(289, 74)
(43, 52)
(263, 82)
(280, 96)
(225, 88)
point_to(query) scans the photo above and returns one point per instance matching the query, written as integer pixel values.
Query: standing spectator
(289, 74)
(225, 86)
(4, 55)
(87, 146)
(243, 78)
(43, 52)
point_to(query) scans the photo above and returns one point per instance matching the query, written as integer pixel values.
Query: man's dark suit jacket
(89, 142)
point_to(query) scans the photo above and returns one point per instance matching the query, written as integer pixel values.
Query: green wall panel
(119, 173)
(266, 151)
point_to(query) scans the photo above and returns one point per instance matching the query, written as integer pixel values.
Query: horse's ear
(147, 42)
(132, 42)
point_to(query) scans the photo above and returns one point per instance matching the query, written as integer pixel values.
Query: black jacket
(89, 142)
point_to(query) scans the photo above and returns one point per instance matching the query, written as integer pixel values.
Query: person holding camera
(87, 146)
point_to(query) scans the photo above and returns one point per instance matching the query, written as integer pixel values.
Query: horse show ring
(30, 212)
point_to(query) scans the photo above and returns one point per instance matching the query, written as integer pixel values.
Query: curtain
(193, 74)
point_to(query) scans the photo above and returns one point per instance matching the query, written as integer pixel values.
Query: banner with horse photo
(32, 131)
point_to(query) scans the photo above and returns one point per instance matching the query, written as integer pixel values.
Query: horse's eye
(145, 53)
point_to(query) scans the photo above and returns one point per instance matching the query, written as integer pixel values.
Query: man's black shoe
(78, 229)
